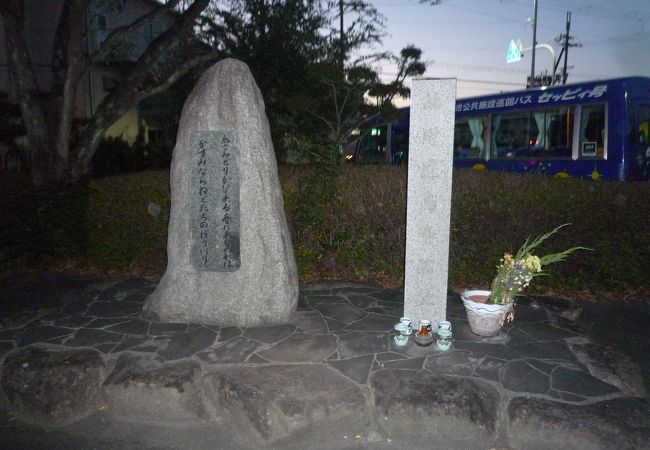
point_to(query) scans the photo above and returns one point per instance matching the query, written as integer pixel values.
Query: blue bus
(595, 129)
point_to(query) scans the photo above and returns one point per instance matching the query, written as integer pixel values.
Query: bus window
(592, 131)
(539, 134)
(559, 131)
(372, 146)
(641, 152)
(511, 134)
(400, 145)
(644, 125)
(469, 137)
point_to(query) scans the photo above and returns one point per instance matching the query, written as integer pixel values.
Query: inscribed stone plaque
(230, 260)
(214, 199)
(428, 209)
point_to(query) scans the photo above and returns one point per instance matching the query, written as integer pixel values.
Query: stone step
(274, 403)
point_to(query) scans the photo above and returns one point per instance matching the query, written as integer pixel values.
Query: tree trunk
(141, 82)
(39, 132)
(67, 66)
(49, 122)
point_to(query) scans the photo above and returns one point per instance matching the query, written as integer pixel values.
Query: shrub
(153, 156)
(116, 156)
(348, 222)
(494, 212)
(361, 235)
(40, 229)
(113, 155)
(299, 150)
(122, 235)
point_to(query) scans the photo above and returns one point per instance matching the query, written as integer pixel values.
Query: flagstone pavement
(76, 353)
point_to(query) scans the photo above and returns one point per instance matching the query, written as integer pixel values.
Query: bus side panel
(611, 92)
(622, 153)
(637, 141)
(592, 169)
(617, 131)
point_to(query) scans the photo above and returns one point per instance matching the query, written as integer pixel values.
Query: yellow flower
(514, 273)
(532, 262)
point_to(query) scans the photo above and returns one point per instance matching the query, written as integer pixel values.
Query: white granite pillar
(428, 207)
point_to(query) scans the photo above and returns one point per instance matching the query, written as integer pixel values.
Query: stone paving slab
(334, 366)
(610, 366)
(621, 423)
(260, 400)
(427, 407)
(54, 388)
(139, 388)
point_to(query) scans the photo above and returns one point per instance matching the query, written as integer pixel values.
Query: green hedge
(121, 233)
(116, 156)
(104, 226)
(496, 212)
(348, 222)
(361, 232)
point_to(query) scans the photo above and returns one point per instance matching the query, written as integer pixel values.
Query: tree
(408, 65)
(349, 87)
(301, 57)
(48, 116)
(344, 105)
(278, 40)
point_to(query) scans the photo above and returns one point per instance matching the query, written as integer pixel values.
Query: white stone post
(428, 206)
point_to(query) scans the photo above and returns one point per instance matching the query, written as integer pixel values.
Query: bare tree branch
(71, 11)
(181, 71)
(322, 119)
(140, 80)
(20, 63)
(157, 48)
(120, 32)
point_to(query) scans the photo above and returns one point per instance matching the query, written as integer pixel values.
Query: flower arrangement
(515, 272)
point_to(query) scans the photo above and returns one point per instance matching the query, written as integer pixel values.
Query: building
(100, 19)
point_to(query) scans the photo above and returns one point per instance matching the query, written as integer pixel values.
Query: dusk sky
(468, 39)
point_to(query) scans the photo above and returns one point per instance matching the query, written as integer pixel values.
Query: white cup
(406, 321)
(444, 325)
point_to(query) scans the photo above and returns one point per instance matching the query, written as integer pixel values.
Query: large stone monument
(230, 258)
(428, 204)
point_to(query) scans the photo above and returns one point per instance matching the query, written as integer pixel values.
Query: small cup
(406, 321)
(444, 325)
(444, 339)
(401, 338)
(425, 327)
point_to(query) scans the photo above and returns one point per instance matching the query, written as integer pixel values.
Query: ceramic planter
(484, 319)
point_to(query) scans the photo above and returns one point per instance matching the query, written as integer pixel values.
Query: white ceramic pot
(484, 319)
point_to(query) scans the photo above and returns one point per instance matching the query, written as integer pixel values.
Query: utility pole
(532, 63)
(342, 37)
(567, 41)
(566, 46)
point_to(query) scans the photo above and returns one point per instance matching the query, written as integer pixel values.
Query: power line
(589, 10)
(481, 68)
(583, 9)
(469, 80)
(496, 83)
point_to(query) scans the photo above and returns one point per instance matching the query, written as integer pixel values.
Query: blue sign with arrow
(514, 54)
